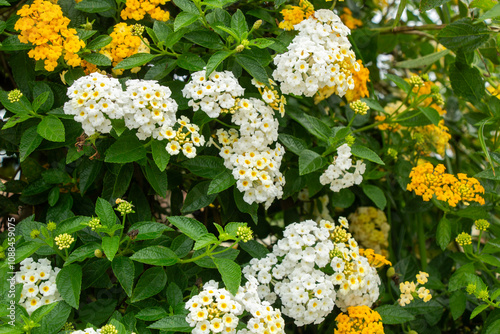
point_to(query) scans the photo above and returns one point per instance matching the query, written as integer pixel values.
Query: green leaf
(125, 149)
(69, 284)
(463, 34)
(204, 241)
(393, 315)
(458, 301)
(54, 320)
(135, 60)
(151, 313)
(122, 181)
(312, 124)
(97, 59)
(243, 206)
(93, 6)
(198, 197)
(191, 62)
(443, 233)
(157, 179)
(431, 114)
(401, 9)
(490, 14)
(16, 119)
(206, 38)
(105, 211)
(230, 272)
(493, 327)
(429, 4)
(30, 140)
(156, 256)
(71, 225)
(254, 248)
(215, 60)
(294, 144)
(478, 310)
(184, 19)
(492, 246)
(217, 3)
(376, 195)
(53, 196)
(81, 253)
(463, 276)
(221, 182)
(51, 128)
(239, 25)
(99, 42)
(262, 43)
(189, 226)
(401, 83)
(124, 270)
(490, 259)
(423, 61)
(204, 166)
(160, 155)
(310, 161)
(149, 230)
(40, 100)
(150, 283)
(253, 67)
(365, 153)
(26, 250)
(42, 311)
(467, 83)
(110, 246)
(12, 43)
(174, 294)
(187, 6)
(488, 174)
(483, 4)
(4, 3)
(175, 323)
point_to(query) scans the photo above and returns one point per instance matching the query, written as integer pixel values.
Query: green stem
(479, 242)
(421, 242)
(225, 124)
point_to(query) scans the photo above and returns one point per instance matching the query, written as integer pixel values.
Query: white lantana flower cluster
(295, 272)
(91, 99)
(145, 105)
(39, 284)
(248, 154)
(319, 56)
(338, 174)
(215, 95)
(148, 104)
(215, 310)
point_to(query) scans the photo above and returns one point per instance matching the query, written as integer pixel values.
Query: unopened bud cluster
(64, 241)
(482, 224)
(359, 107)
(94, 223)
(464, 239)
(244, 233)
(417, 81)
(124, 207)
(14, 95)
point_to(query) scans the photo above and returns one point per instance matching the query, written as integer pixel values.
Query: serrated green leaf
(105, 212)
(156, 256)
(81, 253)
(490, 14)
(376, 195)
(204, 241)
(429, 4)
(458, 301)
(124, 270)
(206, 38)
(294, 144)
(30, 140)
(365, 153)
(189, 226)
(149, 230)
(94, 6)
(125, 149)
(215, 60)
(401, 83)
(467, 83)
(310, 161)
(204, 166)
(393, 315)
(175, 323)
(160, 154)
(261, 43)
(464, 34)
(135, 60)
(478, 310)
(184, 19)
(191, 62)
(110, 246)
(198, 197)
(69, 284)
(151, 313)
(431, 114)
(97, 59)
(26, 250)
(423, 61)
(51, 128)
(99, 42)
(239, 25)
(230, 272)
(156, 178)
(221, 182)
(443, 233)
(253, 67)
(150, 283)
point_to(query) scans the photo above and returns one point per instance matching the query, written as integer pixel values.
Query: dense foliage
(226, 166)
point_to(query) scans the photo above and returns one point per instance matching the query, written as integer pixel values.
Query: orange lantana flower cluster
(296, 14)
(137, 10)
(359, 320)
(428, 181)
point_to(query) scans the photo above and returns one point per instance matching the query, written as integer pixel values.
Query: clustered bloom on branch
(137, 10)
(369, 227)
(43, 24)
(248, 153)
(215, 95)
(296, 272)
(409, 290)
(319, 56)
(215, 310)
(271, 96)
(338, 174)
(123, 45)
(428, 181)
(39, 284)
(293, 15)
(359, 320)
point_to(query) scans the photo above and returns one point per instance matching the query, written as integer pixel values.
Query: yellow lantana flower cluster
(359, 320)
(42, 24)
(137, 9)
(123, 45)
(296, 14)
(427, 181)
(349, 20)
(409, 290)
(432, 138)
(374, 259)
(370, 228)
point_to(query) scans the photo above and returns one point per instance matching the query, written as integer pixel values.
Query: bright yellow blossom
(360, 77)
(137, 9)
(296, 14)
(360, 319)
(370, 228)
(349, 20)
(432, 138)
(42, 24)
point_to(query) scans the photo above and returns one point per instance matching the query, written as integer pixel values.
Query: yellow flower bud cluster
(359, 107)
(296, 14)
(14, 95)
(464, 239)
(123, 45)
(428, 181)
(42, 24)
(64, 241)
(109, 329)
(359, 319)
(482, 224)
(244, 233)
(124, 207)
(51, 226)
(370, 228)
(409, 290)
(137, 10)
(94, 223)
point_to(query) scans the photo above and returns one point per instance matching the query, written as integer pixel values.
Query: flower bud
(98, 253)
(240, 48)
(257, 25)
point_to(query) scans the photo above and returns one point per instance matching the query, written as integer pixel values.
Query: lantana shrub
(244, 167)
